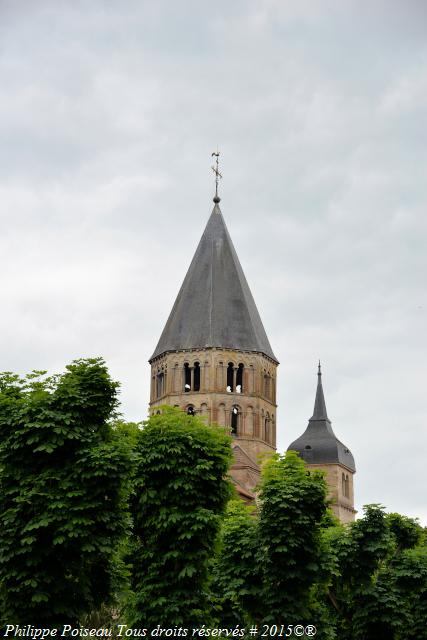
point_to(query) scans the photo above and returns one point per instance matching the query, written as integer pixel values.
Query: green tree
(274, 566)
(295, 559)
(409, 573)
(380, 590)
(63, 493)
(180, 493)
(111, 613)
(237, 575)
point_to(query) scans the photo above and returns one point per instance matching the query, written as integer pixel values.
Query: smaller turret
(321, 449)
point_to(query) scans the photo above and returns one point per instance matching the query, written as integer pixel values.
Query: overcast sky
(109, 112)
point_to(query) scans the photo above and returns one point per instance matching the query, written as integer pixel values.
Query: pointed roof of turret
(319, 412)
(214, 307)
(319, 444)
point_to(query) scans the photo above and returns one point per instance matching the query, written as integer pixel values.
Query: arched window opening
(234, 420)
(191, 411)
(230, 377)
(239, 379)
(266, 385)
(267, 428)
(197, 376)
(187, 377)
(347, 486)
(160, 384)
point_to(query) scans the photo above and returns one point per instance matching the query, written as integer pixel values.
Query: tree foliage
(62, 493)
(237, 576)
(274, 566)
(293, 505)
(180, 493)
(291, 561)
(67, 464)
(380, 590)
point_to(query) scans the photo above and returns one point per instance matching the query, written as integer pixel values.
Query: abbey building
(214, 359)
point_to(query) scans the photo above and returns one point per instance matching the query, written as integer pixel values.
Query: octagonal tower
(214, 358)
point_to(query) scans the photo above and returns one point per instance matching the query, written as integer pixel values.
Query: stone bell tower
(214, 358)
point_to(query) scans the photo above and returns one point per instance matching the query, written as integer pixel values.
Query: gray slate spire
(319, 444)
(214, 307)
(319, 412)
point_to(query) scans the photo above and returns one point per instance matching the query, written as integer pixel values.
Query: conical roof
(319, 444)
(214, 307)
(319, 412)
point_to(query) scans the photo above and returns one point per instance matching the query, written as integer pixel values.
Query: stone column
(153, 382)
(220, 378)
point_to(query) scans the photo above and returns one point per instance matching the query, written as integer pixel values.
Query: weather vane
(215, 169)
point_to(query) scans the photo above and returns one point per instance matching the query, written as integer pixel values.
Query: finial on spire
(319, 370)
(215, 169)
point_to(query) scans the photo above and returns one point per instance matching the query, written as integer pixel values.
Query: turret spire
(319, 444)
(319, 412)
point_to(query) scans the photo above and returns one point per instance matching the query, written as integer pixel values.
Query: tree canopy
(63, 487)
(94, 510)
(180, 493)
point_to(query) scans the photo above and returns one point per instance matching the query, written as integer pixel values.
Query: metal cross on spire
(218, 176)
